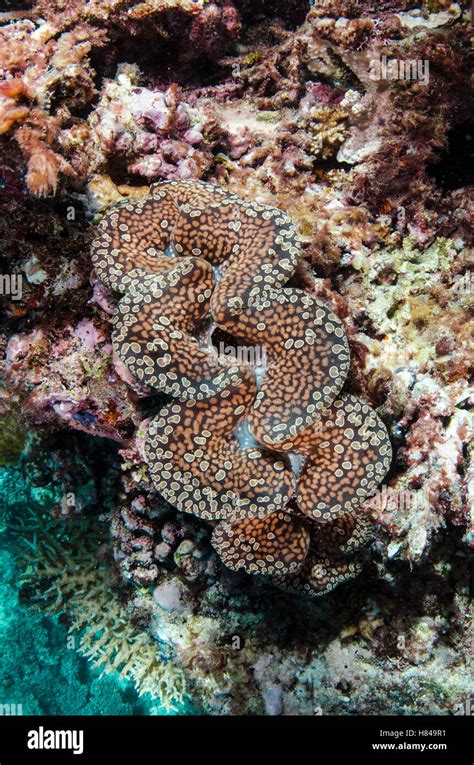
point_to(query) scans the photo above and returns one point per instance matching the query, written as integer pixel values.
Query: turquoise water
(38, 669)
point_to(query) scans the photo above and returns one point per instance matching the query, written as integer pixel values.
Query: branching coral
(65, 574)
(189, 254)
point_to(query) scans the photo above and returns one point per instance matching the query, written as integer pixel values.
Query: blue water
(38, 671)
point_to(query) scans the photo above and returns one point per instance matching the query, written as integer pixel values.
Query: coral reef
(49, 79)
(67, 575)
(352, 119)
(153, 134)
(82, 378)
(41, 672)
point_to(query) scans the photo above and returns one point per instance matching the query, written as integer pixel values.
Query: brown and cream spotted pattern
(256, 540)
(197, 465)
(281, 460)
(348, 456)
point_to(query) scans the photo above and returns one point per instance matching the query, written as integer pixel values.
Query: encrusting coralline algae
(289, 109)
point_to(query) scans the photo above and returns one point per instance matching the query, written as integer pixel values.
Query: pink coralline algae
(195, 457)
(82, 391)
(46, 57)
(152, 134)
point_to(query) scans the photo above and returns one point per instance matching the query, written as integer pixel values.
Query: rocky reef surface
(356, 119)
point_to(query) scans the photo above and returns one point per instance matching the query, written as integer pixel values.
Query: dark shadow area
(292, 12)
(83, 464)
(8, 6)
(455, 167)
